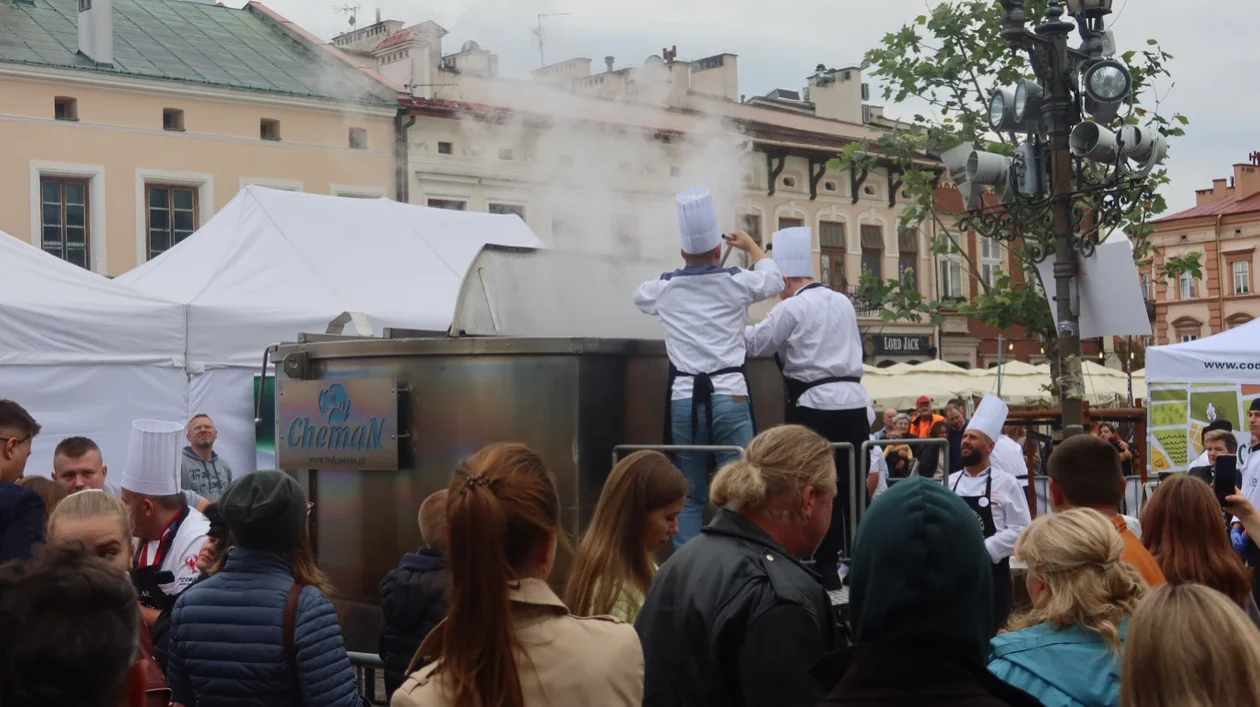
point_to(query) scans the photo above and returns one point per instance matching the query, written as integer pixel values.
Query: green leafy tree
(953, 59)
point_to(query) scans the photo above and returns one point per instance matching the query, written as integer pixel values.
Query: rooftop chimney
(608, 61)
(96, 30)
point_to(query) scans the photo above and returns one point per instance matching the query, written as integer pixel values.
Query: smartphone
(1225, 477)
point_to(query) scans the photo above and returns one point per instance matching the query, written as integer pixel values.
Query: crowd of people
(184, 585)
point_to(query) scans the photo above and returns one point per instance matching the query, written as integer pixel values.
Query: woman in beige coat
(508, 640)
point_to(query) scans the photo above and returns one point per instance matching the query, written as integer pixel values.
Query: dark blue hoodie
(413, 600)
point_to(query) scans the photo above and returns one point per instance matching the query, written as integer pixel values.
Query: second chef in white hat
(703, 308)
(999, 502)
(170, 533)
(813, 335)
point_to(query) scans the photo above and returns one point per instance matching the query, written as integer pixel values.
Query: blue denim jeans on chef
(732, 426)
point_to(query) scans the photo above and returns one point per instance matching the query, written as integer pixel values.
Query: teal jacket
(1069, 668)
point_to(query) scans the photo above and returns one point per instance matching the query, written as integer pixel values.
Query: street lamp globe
(1089, 8)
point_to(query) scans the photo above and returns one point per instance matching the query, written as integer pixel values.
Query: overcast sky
(1213, 44)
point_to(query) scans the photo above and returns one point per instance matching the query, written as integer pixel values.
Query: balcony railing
(864, 301)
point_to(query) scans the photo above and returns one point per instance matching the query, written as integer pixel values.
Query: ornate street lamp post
(1070, 179)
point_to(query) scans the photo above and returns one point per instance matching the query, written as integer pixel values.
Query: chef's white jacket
(703, 309)
(181, 559)
(1009, 503)
(815, 333)
(1009, 457)
(1251, 483)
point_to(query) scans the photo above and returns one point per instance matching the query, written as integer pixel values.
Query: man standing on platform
(813, 334)
(997, 499)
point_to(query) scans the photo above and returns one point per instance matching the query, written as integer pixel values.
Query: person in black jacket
(734, 619)
(413, 596)
(921, 602)
(22, 513)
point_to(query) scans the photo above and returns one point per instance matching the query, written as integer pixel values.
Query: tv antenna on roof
(352, 11)
(540, 35)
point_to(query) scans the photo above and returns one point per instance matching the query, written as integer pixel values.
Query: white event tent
(274, 264)
(85, 356)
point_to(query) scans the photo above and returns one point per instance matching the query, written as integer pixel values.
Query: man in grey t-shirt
(202, 470)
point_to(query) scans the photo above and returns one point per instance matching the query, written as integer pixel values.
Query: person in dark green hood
(921, 600)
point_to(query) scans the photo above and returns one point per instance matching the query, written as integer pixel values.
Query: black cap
(265, 510)
(218, 528)
(1255, 405)
(1218, 425)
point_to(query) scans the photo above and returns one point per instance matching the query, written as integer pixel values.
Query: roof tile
(1221, 207)
(188, 42)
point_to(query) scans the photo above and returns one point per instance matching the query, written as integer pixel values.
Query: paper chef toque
(990, 417)
(697, 221)
(153, 458)
(794, 252)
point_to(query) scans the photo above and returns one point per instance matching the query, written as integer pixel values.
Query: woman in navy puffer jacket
(227, 636)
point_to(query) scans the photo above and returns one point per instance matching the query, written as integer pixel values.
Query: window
(1187, 285)
(752, 225)
(172, 213)
(358, 139)
(269, 129)
(908, 253)
(64, 203)
(65, 108)
(788, 222)
(173, 119)
(85, 5)
(448, 204)
(990, 261)
(508, 209)
(873, 250)
(832, 247)
(829, 186)
(1189, 337)
(951, 278)
(868, 190)
(505, 153)
(446, 148)
(1146, 287)
(1242, 277)
(789, 182)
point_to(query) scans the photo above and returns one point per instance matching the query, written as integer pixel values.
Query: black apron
(794, 389)
(148, 578)
(701, 394)
(982, 506)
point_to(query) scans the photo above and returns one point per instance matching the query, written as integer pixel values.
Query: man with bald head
(889, 415)
(1000, 504)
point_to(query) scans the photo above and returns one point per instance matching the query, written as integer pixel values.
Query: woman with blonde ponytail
(1065, 650)
(508, 640)
(734, 618)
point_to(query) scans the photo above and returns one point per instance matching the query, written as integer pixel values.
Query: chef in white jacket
(999, 502)
(169, 533)
(1009, 457)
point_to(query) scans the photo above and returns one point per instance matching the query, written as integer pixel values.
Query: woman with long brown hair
(1065, 649)
(508, 640)
(262, 631)
(1190, 646)
(637, 513)
(1183, 529)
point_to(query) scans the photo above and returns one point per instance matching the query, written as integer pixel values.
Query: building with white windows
(127, 124)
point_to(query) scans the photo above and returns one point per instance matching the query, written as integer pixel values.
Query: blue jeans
(732, 426)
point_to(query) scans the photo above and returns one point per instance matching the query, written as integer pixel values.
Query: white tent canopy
(84, 355)
(274, 264)
(1227, 357)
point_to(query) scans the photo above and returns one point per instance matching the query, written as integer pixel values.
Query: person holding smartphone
(1242, 537)
(1217, 443)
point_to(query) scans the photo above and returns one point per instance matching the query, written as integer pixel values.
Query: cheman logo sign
(350, 424)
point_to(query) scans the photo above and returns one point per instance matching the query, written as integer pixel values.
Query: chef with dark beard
(995, 496)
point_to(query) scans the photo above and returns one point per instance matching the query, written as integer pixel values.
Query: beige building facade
(112, 157)
(1224, 230)
(591, 155)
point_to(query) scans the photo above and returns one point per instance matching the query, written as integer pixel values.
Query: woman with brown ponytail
(508, 640)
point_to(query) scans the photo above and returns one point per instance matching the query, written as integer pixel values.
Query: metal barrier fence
(366, 667)
(667, 448)
(853, 494)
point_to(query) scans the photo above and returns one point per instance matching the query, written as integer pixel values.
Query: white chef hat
(153, 458)
(990, 417)
(698, 222)
(794, 252)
